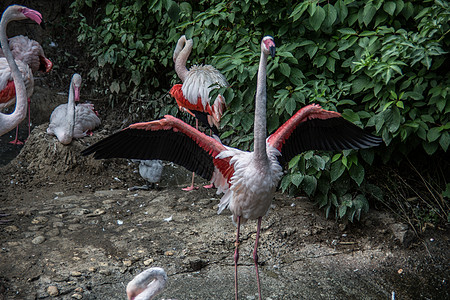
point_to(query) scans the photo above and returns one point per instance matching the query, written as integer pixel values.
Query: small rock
(92, 269)
(127, 263)
(52, 291)
(79, 289)
(39, 220)
(11, 229)
(75, 273)
(38, 240)
(80, 211)
(148, 261)
(58, 224)
(77, 296)
(168, 253)
(75, 227)
(105, 272)
(53, 232)
(96, 212)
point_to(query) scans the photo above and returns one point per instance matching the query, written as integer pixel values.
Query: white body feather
(251, 188)
(6, 76)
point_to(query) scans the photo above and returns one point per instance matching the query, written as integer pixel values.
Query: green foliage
(382, 64)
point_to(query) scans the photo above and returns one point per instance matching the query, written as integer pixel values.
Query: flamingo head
(268, 45)
(18, 12)
(76, 85)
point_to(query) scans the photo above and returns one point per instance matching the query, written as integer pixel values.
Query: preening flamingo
(147, 284)
(247, 179)
(193, 95)
(20, 87)
(69, 121)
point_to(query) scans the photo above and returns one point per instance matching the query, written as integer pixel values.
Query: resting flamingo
(247, 179)
(147, 284)
(193, 95)
(31, 53)
(68, 121)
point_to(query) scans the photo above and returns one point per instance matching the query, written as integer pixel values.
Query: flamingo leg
(16, 140)
(209, 186)
(192, 187)
(236, 259)
(29, 118)
(255, 256)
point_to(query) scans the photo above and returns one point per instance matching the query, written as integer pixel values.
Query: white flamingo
(69, 121)
(15, 76)
(31, 53)
(147, 284)
(193, 95)
(247, 179)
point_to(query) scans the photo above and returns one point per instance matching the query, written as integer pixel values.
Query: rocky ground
(78, 232)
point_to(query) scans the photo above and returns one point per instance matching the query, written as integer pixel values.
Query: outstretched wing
(168, 139)
(313, 128)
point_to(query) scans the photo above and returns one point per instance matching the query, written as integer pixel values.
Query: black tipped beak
(43, 25)
(272, 51)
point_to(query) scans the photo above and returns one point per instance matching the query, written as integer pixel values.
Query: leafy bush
(382, 64)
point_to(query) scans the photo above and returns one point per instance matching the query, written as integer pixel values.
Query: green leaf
(311, 50)
(331, 15)
(317, 18)
(444, 141)
(294, 161)
(337, 168)
(389, 7)
(345, 31)
(309, 184)
(320, 61)
(291, 104)
(357, 173)
(297, 178)
(109, 8)
(174, 12)
(433, 134)
(285, 69)
(368, 13)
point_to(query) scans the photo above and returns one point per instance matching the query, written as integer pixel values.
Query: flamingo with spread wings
(247, 179)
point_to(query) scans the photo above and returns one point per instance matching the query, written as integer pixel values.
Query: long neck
(181, 57)
(70, 115)
(8, 122)
(260, 154)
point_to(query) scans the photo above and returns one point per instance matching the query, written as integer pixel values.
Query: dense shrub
(382, 64)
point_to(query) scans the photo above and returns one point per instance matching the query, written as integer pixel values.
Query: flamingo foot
(16, 142)
(209, 186)
(190, 188)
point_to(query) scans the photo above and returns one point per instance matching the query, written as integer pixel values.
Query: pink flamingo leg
(255, 256)
(16, 140)
(192, 187)
(236, 259)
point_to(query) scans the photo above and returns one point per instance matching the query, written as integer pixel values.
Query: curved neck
(8, 122)
(70, 115)
(181, 56)
(260, 153)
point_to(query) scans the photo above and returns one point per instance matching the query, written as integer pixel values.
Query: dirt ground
(78, 232)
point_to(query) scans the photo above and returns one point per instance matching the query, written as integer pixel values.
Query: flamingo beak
(272, 51)
(32, 15)
(76, 90)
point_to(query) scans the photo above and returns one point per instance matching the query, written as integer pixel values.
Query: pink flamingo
(193, 95)
(247, 179)
(31, 53)
(68, 121)
(147, 284)
(13, 69)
